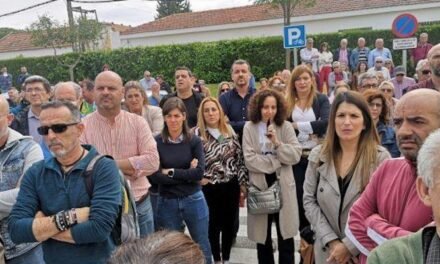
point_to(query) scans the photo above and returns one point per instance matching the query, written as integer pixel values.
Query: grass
(213, 88)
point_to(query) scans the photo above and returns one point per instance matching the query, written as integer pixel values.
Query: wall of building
(326, 23)
(32, 53)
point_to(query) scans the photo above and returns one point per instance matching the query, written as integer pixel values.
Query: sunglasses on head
(56, 128)
(426, 72)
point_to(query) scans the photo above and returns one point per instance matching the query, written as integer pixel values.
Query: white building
(265, 20)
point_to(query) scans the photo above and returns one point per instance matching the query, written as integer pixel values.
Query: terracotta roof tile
(252, 13)
(17, 41)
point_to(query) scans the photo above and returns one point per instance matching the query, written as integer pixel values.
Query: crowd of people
(341, 137)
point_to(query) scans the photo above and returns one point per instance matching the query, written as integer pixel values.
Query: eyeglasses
(379, 61)
(426, 72)
(36, 90)
(224, 90)
(373, 105)
(387, 90)
(400, 74)
(56, 128)
(368, 86)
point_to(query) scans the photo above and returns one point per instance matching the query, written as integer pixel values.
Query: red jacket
(388, 208)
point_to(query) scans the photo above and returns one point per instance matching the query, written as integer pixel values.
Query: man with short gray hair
(379, 51)
(359, 54)
(424, 245)
(147, 81)
(68, 91)
(343, 53)
(366, 81)
(421, 51)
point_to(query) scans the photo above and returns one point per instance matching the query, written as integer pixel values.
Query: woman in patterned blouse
(224, 170)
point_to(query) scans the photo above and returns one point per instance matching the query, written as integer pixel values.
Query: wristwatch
(171, 173)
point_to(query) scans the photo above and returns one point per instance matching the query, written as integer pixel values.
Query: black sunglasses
(56, 128)
(426, 72)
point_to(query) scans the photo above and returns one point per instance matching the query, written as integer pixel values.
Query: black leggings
(299, 173)
(222, 199)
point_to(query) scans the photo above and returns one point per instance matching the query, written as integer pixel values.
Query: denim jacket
(388, 139)
(19, 153)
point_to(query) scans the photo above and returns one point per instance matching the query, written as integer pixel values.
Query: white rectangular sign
(404, 43)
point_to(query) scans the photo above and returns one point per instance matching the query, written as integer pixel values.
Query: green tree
(288, 6)
(168, 7)
(5, 31)
(49, 33)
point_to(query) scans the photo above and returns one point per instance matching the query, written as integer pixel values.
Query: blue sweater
(43, 188)
(179, 156)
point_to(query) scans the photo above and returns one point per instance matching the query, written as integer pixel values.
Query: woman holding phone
(270, 149)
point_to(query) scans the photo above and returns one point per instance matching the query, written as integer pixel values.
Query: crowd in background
(325, 133)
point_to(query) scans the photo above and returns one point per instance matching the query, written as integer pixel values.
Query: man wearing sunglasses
(127, 138)
(37, 92)
(53, 205)
(401, 81)
(17, 154)
(434, 63)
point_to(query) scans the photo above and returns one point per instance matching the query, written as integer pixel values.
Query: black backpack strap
(88, 173)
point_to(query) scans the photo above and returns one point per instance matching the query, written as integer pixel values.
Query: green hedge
(209, 61)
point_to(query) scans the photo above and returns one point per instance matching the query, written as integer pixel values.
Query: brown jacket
(288, 154)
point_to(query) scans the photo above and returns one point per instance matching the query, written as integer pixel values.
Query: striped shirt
(129, 137)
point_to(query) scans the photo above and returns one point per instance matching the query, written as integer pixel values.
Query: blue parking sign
(294, 36)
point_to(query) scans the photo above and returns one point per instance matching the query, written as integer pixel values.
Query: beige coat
(322, 210)
(288, 154)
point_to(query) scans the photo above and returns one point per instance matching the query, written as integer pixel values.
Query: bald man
(434, 63)
(127, 138)
(389, 206)
(17, 154)
(68, 91)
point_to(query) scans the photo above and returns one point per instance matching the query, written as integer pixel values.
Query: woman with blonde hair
(337, 173)
(224, 173)
(136, 101)
(308, 111)
(388, 88)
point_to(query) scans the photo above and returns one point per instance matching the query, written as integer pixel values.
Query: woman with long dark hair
(270, 149)
(337, 173)
(182, 164)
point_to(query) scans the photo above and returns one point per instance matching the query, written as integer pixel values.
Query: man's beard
(410, 155)
(436, 71)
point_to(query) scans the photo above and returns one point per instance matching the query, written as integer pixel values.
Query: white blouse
(303, 119)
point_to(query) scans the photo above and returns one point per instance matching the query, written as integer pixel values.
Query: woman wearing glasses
(337, 173)
(136, 102)
(223, 87)
(387, 88)
(277, 83)
(270, 149)
(379, 112)
(182, 164)
(224, 173)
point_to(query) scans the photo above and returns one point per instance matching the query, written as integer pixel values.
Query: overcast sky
(130, 12)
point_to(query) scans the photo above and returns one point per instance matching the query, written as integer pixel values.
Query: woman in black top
(182, 165)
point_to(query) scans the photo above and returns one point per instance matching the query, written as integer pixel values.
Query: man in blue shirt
(53, 206)
(379, 51)
(235, 101)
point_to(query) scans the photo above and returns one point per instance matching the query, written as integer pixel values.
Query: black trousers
(285, 246)
(222, 199)
(299, 173)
